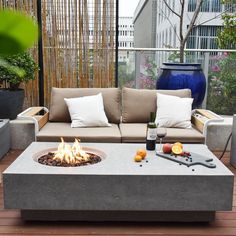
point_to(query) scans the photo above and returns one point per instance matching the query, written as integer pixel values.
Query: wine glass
(161, 133)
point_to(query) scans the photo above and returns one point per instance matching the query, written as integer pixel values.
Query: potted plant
(180, 75)
(19, 68)
(189, 75)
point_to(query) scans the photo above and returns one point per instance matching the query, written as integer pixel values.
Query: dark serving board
(194, 159)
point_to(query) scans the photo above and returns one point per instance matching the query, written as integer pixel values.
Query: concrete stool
(217, 134)
(5, 139)
(22, 133)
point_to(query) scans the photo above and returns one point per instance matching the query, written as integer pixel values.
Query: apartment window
(191, 42)
(205, 7)
(203, 43)
(203, 37)
(213, 43)
(216, 6)
(229, 7)
(191, 5)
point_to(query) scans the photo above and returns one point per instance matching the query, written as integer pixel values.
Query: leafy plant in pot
(19, 68)
(179, 75)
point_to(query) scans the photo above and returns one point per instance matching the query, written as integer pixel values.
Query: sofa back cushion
(138, 103)
(59, 111)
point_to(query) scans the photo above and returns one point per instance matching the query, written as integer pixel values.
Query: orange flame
(70, 155)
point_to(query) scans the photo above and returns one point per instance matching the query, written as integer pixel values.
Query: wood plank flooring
(11, 223)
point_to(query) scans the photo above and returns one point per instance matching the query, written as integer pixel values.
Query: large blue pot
(183, 75)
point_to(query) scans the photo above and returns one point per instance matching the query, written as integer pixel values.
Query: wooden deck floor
(11, 223)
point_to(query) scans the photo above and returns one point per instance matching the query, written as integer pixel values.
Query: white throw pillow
(87, 111)
(173, 111)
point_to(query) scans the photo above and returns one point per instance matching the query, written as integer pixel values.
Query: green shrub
(222, 85)
(25, 63)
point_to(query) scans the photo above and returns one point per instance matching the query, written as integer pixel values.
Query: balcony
(139, 68)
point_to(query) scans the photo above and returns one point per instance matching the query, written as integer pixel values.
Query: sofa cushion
(59, 111)
(52, 132)
(138, 103)
(136, 133)
(173, 111)
(81, 116)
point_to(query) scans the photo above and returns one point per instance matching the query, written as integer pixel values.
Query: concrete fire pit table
(117, 188)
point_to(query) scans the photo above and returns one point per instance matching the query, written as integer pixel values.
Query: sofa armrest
(201, 118)
(39, 115)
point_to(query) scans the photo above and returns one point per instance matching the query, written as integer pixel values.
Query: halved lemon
(179, 144)
(177, 149)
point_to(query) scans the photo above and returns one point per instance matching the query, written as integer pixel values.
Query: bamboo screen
(78, 43)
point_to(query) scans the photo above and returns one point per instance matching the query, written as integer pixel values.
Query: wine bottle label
(151, 134)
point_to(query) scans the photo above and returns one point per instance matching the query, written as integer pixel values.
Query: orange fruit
(142, 153)
(177, 149)
(179, 143)
(138, 158)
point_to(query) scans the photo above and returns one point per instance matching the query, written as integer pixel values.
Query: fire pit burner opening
(69, 156)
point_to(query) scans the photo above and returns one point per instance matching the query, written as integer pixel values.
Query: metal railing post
(40, 55)
(137, 68)
(205, 71)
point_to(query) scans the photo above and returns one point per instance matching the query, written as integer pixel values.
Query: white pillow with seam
(87, 111)
(173, 111)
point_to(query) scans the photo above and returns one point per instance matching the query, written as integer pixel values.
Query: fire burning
(67, 155)
(70, 155)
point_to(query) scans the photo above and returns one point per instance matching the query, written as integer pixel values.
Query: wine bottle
(151, 135)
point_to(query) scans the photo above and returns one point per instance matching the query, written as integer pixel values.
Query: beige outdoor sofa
(127, 111)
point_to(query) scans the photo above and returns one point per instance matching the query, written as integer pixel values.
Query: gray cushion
(59, 111)
(138, 103)
(136, 133)
(52, 132)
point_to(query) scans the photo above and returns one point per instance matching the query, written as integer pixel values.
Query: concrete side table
(5, 139)
(217, 134)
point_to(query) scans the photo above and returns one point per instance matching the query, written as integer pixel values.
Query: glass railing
(139, 68)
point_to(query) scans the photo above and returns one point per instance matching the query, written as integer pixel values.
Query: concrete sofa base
(22, 134)
(134, 216)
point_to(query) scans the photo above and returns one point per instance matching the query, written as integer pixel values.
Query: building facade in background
(145, 25)
(156, 26)
(126, 37)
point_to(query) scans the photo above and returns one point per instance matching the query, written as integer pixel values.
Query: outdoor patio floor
(11, 223)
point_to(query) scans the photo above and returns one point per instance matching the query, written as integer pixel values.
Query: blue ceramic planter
(183, 75)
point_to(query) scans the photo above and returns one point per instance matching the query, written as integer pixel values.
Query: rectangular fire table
(117, 188)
